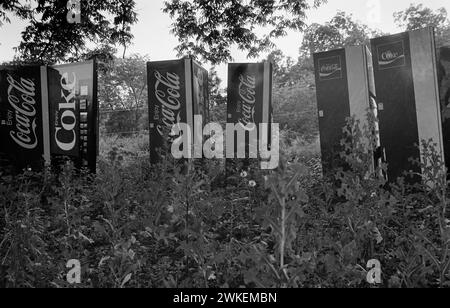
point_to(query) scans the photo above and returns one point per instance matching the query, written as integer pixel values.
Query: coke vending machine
(405, 68)
(177, 91)
(344, 89)
(73, 113)
(24, 136)
(249, 102)
(47, 113)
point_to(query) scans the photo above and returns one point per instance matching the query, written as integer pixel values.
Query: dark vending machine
(344, 88)
(249, 102)
(177, 91)
(73, 115)
(408, 98)
(23, 107)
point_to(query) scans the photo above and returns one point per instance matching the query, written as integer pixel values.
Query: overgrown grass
(136, 225)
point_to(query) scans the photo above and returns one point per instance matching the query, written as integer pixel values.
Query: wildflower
(244, 174)
(170, 209)
(212, 277)
(252, 184)
(377, 235)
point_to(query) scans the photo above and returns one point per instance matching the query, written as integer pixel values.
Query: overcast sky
(152, 36)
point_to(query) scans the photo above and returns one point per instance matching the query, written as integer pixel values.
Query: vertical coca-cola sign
(168, 103)
(74, 113)
(249, 95)
(21, 131)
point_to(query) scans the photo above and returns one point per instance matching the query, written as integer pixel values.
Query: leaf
(126, 280)
(91, 241)
(103, 260)
(295, 210)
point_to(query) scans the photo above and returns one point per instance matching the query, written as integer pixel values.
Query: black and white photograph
(224, 152)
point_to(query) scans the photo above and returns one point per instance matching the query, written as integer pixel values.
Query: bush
(173, 225)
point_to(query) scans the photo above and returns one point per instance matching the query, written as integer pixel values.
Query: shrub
(192, 225)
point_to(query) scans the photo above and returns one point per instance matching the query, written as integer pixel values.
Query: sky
(153, 37)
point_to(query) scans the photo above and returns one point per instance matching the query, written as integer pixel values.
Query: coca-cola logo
(330, 68)
(247, 95)
(167, 92)
(21, 96)
(65, 128)
(391, 55)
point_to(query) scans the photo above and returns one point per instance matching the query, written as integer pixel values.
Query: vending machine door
(333, 104)
(396, 103)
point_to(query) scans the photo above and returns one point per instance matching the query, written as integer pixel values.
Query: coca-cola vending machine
(249, 102)
(444, 87)
(177, 91)
(23, 107)
(73, 113)
(344, 89)
(405, 68)
(47, 113)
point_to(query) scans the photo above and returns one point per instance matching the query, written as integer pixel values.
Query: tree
(50, 38)
(123, 91)
(342, 30)
(217, 98)
(417, 16)
(210, 28)
(282, 67)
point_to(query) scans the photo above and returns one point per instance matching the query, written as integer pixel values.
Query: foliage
(176, 225)
(342, 30)
(295, 109)
(210, 29)
(417, 16)
(49, 38)
(283, 68)
(123, 91)
(217, 97)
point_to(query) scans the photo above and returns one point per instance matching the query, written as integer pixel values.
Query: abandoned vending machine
(345, 89)
(23, 108)
(177, 91)
(73, 113)
(408, 99)
(249, 104)
(49, 113)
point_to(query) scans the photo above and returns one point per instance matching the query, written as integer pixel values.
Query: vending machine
(73, 113)
(249, 103)
(49, 113)
(345, 88)
(405, 69)
(24, 138)
(177, 91)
